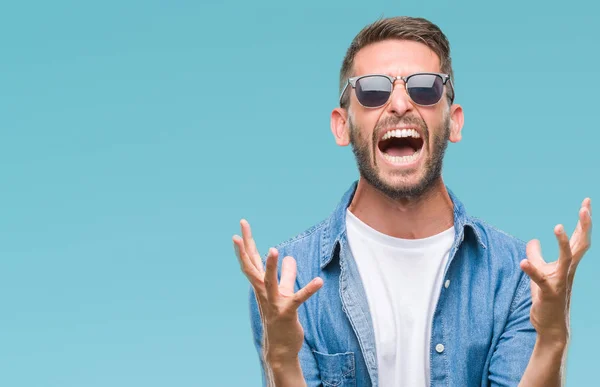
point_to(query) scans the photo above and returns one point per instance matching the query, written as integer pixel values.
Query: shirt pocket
(337, 369)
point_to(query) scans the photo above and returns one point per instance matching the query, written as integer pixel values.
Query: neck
(413, 218)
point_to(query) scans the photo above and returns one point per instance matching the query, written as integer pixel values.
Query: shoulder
(499, 244)
(304, 245)
(503, 254)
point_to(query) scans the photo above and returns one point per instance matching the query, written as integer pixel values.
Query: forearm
(547, 364)
(284, 373)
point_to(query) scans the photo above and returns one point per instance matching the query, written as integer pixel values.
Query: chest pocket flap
(337, 370)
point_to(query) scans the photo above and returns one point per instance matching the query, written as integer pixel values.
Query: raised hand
(278, 304)
(552, 282)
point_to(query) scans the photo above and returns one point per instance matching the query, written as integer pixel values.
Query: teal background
(134, 135)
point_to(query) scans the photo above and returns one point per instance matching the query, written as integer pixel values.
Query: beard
(367, 164)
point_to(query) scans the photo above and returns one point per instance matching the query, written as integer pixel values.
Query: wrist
(285, 372)
(552, 343)
(283, 364)
(547, 362)
(280, 358)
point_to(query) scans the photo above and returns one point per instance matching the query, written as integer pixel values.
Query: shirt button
(439, 348)
(447, 284)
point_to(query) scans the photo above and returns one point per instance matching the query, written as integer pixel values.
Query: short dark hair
(403, 28)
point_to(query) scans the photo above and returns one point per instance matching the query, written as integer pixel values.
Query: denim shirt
(481, 332)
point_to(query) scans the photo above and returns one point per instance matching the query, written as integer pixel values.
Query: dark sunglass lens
(373, 91)
(425, 89)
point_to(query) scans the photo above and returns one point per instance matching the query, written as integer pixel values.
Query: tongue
(400, 150)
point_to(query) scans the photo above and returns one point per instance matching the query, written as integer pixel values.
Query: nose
(400, 103)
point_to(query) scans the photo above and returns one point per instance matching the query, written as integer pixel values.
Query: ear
(457, 120)
(340, 127)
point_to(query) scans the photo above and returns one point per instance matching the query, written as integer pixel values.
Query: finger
(581, 239)
(564, 255)
(575, 240)
(533, 264)
(306, 292)
(585, 227)
(534, 253)
(587, 203)
(250, 245)
(585, 219)
(288, 276)
(271, 285)
(585, 224)
(246, 265)
(536, 275)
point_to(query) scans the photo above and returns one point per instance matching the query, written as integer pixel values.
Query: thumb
(534, 253)
(533, 265)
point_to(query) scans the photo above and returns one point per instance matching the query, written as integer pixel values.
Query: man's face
(399, 167)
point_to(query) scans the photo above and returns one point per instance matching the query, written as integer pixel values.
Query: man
(400, 286)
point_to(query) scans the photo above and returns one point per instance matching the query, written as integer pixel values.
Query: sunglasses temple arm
(343, 91)
(453, 91)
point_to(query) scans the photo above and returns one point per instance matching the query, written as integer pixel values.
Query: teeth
(399, 133)
(402, 159)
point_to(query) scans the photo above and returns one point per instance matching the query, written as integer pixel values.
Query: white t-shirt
(402, 279)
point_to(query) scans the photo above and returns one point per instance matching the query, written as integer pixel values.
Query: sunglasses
(374, 90)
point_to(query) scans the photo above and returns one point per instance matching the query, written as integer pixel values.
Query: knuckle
(276, 310)
(549, 294)
(300, 297)
(261, 297)
(280, 311)
(262, 304)
(555, 291)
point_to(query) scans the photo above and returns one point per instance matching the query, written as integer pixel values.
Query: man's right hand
(283, 335)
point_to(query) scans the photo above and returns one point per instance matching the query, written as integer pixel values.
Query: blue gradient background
(134, 136)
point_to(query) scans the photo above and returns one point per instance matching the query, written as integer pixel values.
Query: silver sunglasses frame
(352, 82)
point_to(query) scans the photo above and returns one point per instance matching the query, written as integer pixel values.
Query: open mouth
(401, 146)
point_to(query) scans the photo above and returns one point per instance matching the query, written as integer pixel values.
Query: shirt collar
(335, 226)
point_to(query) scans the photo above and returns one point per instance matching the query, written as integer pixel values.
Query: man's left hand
(552, 282)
